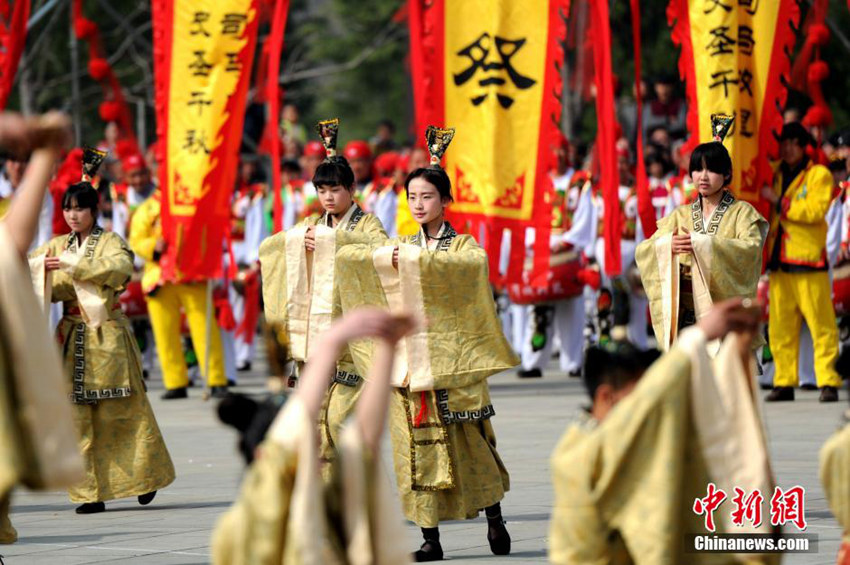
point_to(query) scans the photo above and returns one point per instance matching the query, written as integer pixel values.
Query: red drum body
(133, 300)
(562, 280)
(841, 289)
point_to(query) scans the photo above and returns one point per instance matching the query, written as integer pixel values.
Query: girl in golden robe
(300, 285)
(123, 450)
(285, 513)
(446, 463)
(703, 252)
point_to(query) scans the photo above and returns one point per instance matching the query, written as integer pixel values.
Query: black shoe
(574, 374)
(244, 367)
(809, 386)
(90, 508)
(145, 499)
(231, 382)
(780, 394)
(174, 393)
(529, 374)
(499, 538)
(430, 551)
(218, 391)
(145, 374)
(766, 387)
(829, 394)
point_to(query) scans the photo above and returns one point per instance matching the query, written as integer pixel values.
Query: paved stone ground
(531, 415)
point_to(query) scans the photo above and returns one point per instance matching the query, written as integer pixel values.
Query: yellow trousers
(164, 310)
(794, 296)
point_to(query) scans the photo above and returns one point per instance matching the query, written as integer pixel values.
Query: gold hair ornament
(720, 126)
(92, 158)
(328, 130)
(438, 141)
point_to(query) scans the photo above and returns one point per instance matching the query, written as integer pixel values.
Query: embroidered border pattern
(445, 241)
(355, 219)
(347, 379)
(714, 223)
(450, 417)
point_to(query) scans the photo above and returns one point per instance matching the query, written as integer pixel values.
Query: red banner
(13, 37)
(606, 135)
(203, 55)
(646, 212)
(272, 88)
(492, 71)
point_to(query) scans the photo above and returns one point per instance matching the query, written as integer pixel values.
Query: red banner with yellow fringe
(492, 71)
(203, 54)
(735, 60)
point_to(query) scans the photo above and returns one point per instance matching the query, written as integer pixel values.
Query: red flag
(646, 212)
(281, 11)
(13, 37)
(606, 136)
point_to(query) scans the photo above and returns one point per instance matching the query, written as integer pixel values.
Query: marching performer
(137, 187)
(165, 298)
(799, 281)
(122, 447)
(573, 230)
(703, 252)
(38, 444)
(300, 280)
(446, 463)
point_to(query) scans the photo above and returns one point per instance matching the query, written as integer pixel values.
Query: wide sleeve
(834, 474)
(369, 231)
(254, 530)
(61, 284)
(810, 204)
(273, 272)
(113, 266)
(733, 258)
(143, 235)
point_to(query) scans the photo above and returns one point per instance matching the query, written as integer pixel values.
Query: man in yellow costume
(300, 284)
(165, 299)
(702, 252)
(38, 443)
(799, 278)
(628, 478)
(446, 463)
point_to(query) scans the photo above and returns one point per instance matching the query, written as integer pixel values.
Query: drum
(132, 300)
(841, 289)
(563, 280)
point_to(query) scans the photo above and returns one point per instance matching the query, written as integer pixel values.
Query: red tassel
(246, 329)
(109, 111)
(99, 68)
(423, 409)
(84, 28)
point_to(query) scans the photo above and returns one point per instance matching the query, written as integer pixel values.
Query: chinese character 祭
(478, 53)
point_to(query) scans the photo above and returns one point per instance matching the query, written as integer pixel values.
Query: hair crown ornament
(720, 126)
(328, 130)
(438, 141)
(92, 158)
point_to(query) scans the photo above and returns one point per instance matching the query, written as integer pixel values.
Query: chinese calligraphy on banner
(203, 53)
(734, 54)
(490, 70)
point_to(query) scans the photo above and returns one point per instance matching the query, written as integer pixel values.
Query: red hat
(314, 149)
(133, 162)
(357, 149)
(386, 163)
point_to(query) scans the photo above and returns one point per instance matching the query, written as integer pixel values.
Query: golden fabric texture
(123, 450)
(285, 514)
(463, 340)
(446, 462)
(443, 471)
(624, 490)
(38, 446)
(292, 306)
(835, 477)
(728, 260)
(339, 405)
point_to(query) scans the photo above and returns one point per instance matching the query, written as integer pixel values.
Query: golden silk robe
(625, 488)
(726, 262)
(122, 447)
(38, 446)
(301, 290)
(285, 513)
(835, 478)
(446, 462)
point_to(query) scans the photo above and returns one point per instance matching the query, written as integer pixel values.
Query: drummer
(573, 230)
